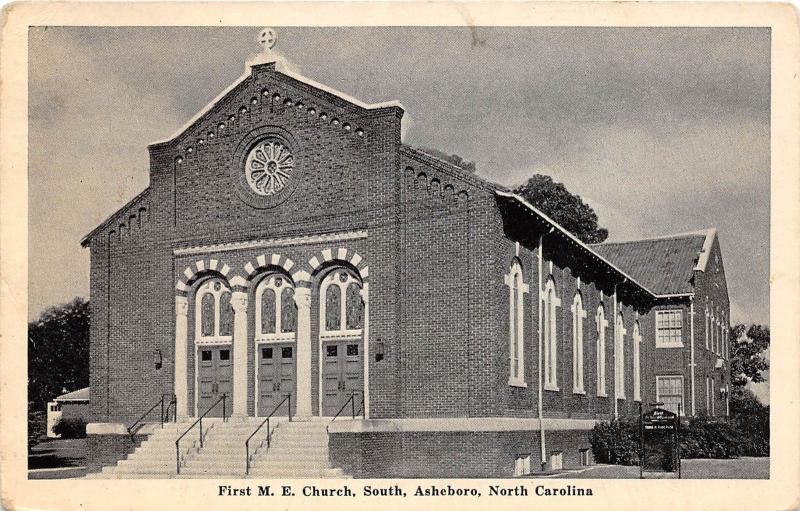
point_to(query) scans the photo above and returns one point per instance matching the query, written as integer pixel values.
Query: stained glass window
(333, 308)
(355, 307)
(276, 312)
(268, 311)
(225, 314)
(207, 315)
(288, 310)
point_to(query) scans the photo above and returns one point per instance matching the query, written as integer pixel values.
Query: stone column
(365, 299)
(239, 304)
(181, 361)
(302, 398)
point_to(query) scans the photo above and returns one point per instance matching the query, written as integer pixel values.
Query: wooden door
(277, 373)
(342, 375)
(215, 377)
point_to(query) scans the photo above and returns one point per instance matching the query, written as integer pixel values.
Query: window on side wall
(601, 324)
(578, 315)
(550, 338)
(516, 332)
(637, 363)
(669, 328)
(669, 390)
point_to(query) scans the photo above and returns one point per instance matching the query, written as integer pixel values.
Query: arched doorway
(341, 340)
(213, 339)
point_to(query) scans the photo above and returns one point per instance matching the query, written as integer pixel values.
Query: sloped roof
(630, 279)
(76, 395)
(665, 265)
(280, 67)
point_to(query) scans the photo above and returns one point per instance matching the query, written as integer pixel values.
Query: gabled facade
(692, 323)
(290, 245)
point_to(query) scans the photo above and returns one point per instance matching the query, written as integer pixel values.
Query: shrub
(70, 428)
(616, 442)
(708, 437)
(751, 420)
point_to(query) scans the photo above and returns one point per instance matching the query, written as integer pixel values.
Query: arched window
(341, 305)
(637, 363)
(619, 374)
(549, 328)
(708, 324)
(578, 315)
(213, 312)
(516, 321)
(276, 312)
(724, 333)
(711, 328)
(601, 324)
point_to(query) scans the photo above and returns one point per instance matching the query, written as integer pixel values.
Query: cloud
(661, 130)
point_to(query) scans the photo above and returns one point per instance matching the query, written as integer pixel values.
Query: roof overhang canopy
(578, 255)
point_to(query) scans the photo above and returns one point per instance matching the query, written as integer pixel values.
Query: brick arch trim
(254, 266)
(340, 254)
(202, 266)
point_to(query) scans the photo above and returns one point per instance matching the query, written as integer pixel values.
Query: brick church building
(290, 245)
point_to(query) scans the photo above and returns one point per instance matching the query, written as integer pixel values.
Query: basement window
(522, 465)
(557, 460)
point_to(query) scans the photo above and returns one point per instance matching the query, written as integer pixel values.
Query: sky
(660, 130)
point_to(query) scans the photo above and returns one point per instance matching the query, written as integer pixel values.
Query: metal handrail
(269, 433)
(200, 421)
(132, 428)
(173, 403)
(352, 401)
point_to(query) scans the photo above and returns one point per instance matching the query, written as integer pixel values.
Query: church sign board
(659, 441)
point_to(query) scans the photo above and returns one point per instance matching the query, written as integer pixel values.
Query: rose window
(269, 167)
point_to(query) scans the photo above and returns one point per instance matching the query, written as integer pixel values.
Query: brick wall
(595, 289)
(447, 332)
(348, 182)
(106, 450)
(448, 454)
(711, 287)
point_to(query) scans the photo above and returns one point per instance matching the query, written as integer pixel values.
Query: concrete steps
(298, 449)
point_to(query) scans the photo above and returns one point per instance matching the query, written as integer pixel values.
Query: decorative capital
(302, 297)
(239, 302)
(181, 306)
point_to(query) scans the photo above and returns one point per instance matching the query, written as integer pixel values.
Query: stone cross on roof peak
(267, 38)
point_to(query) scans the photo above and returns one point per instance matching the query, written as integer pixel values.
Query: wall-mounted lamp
(158, 360)
(380, 350)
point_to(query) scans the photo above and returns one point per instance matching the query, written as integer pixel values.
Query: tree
(58, 352)
(458, 161)
(567, 209)
(747, 359)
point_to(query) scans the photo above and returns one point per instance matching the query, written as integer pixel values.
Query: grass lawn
(56, 458)
(742, 468)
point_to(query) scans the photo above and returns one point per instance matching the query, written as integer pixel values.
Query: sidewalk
(741, 468)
